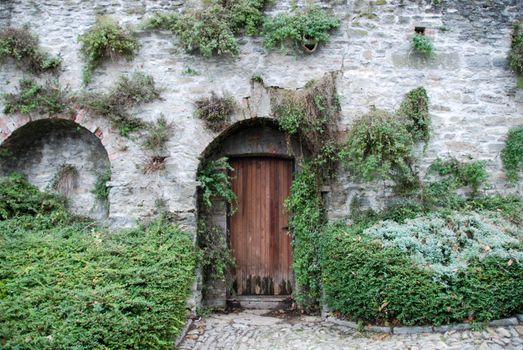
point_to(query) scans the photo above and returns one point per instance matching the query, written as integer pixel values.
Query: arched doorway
(60, 156)
(263, 160)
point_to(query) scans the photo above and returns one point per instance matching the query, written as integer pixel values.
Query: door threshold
(262, 302)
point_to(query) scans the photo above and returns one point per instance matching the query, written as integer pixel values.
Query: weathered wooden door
(260, 240)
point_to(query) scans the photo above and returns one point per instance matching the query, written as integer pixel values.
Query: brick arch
(100, 128)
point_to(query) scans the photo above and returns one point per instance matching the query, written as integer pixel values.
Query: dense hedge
(71, 285)
(366, 280)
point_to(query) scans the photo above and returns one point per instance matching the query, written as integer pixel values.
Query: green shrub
(157, 134)
(378, 147)
(306, 222)
(105, 40)
(31, 97)
(305, 28)
(512, 154)
(245, 15)
(367, 280)
(207, 32)
(74, 286)
(415, 107)
(18, 197)
(22, 45)
(129, 91)
(213, 29)
(515, 57)
(454, 175)
(215, 111)
(215, 182)
(422, 45)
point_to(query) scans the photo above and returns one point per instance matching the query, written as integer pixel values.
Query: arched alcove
(263, 160)
(62, 156)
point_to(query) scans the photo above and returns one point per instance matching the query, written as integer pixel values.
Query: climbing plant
(379, 147)
(311, 114)
(216, 259)
(100, 190)
(306, 223)
(22, 45)
(512, 154)
(305, 28)
(106, 40)
(515, 57)
(215, 182)
(415, 107)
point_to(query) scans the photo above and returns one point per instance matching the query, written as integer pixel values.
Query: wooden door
(260, 239)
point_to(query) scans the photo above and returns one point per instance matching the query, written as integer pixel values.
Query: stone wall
(473, 100)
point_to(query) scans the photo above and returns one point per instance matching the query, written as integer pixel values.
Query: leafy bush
(31, 97)
(415, 107)
(129, 91)
(378, 147)
(366, 279)
(454, 175)
(215, 110)
(157, 134)
(105, 40)
(305, 28)
(306, 223)
(215, 182)
(515, 57)
(212, 30)
(18, 197)
(22, 45)
(512, 154)
(74, 286)
(208, 32)
(422, 45)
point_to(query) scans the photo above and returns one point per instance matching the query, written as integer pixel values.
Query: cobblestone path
(250, 330)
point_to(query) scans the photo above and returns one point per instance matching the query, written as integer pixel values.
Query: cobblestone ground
(250, 330)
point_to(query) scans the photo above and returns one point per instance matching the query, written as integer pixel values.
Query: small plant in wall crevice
(22, 45)
(129, 91)
(422, 45)
(154, 164)
(106, 40)
(215, 111)
(157, 135)
(31, 97)
(100, 190)
(515, 57)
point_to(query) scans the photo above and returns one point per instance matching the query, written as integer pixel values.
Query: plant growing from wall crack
(31, 97)
(215, 111)
(22, 45)
(306, 29)
(129, 91)
(106, 40)
(422, 45)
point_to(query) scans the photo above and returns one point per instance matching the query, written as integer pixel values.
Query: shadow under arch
(62, 156)
(258, 142)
